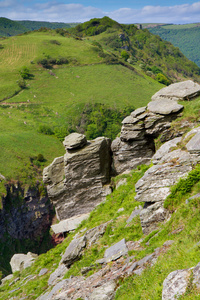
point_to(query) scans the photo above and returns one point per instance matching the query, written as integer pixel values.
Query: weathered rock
(73, 251)
(165, 148)
(154, 186)
(69, 224)
(164, 107)
(92, 235)
(76, 182)
(58, 274)
(104, 292)
(196, 275)
(135, 212)
(74, 140)
(3, 280)
(185, 90)
(151, 216)
(138, 111)
(115, 251)
(128, 155)
(43, 272)
(193, 146)
(175, 284)
(122, 181)
(28, 218)
(20, 261)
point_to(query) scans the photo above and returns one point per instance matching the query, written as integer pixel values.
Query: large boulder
(77, 181)
(153, 188)
(21, 261)
(185, 90)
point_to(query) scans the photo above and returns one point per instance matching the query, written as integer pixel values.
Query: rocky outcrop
(154, 187)
(135, 145)
(76, 181)
(185, 90)
(21, 261)
(26, 214)
(103, 284)
(178, 281)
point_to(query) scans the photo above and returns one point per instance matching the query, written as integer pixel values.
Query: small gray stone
(69, 224)
(43, 272)
(3, 280)
(74, 140)
(138, 111)
(122, 181)
(73, 251)
(193, 146)
(104, 292)
(57, 274)
(116, 251)
(164, 107)
(136, 212)
(129, 120)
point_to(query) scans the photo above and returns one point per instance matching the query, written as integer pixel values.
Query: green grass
(56, 100)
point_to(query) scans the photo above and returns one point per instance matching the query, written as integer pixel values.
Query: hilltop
(9, 27)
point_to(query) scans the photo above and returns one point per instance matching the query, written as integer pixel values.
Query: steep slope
(186, 37)
(146, 259)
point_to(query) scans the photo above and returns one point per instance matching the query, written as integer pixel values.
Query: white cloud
(59, 12)
(159, 14)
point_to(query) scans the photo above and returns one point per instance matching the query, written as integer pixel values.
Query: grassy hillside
(186, 37)
(52, 80)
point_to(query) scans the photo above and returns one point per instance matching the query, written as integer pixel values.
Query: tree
(125, 55)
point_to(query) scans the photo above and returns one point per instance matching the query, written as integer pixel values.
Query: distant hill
(186, 37)
(10, 28)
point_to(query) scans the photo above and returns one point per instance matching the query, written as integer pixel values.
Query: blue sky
(129, 11)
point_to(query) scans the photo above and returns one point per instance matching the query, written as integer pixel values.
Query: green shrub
(45, 129)
(25, 73)
(163, 79)
(125, 55)
(21, 83)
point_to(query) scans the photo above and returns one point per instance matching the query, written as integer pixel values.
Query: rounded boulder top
(184, 90)
(74, 140)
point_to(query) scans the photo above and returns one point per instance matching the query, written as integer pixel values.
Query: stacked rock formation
(136, 143)
(76, 180)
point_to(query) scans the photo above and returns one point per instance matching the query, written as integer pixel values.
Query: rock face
(153, 188)
(136, 143)
(76, 180)
(185, 90)
(30, 218)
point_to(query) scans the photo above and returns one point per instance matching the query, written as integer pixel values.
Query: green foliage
(25, 73)
(182, 188)
(94, 26)
(186, 37)
(124, 55)
(45, 129)
(21, 83)
(48, 62)
(163, 79)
